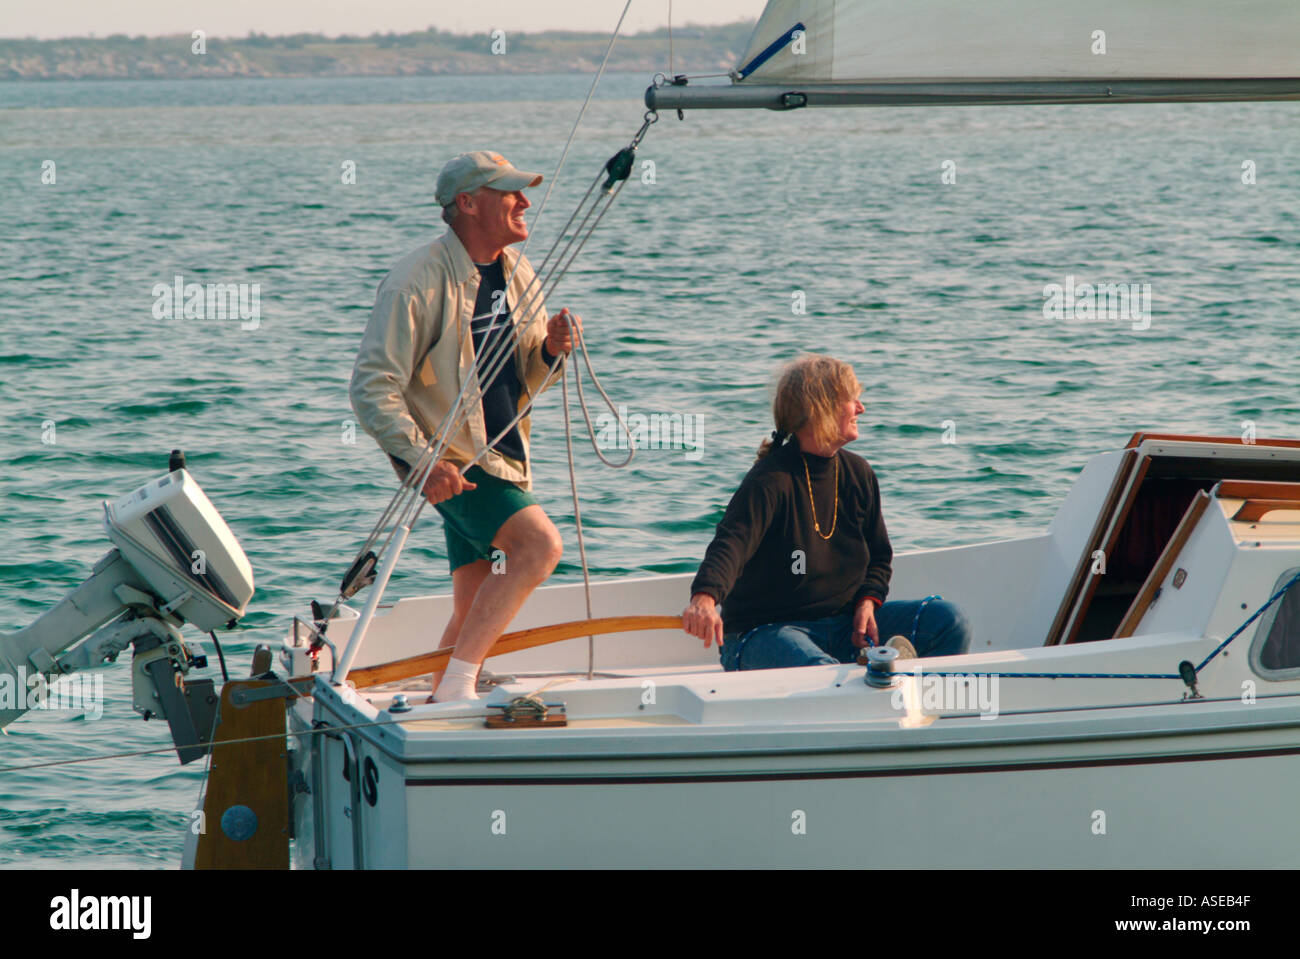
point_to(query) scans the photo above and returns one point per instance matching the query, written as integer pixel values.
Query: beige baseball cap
(469, 171)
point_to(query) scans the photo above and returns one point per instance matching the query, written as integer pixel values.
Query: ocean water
(933, 290)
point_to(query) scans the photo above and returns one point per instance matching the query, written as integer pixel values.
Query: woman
(801, 557)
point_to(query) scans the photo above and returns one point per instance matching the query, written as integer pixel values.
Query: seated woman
(801, 558)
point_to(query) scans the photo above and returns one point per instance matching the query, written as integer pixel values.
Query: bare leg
(465, 581)
(532, 548)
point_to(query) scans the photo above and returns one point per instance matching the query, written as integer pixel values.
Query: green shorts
(472, 518)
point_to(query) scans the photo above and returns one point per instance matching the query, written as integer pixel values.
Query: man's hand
(864, 624)
(559, 338)
(701, 619)
(444, 482)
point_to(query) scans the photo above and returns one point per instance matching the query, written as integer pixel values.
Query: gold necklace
(835, 510)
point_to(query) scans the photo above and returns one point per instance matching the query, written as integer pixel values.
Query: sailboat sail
(879, 52)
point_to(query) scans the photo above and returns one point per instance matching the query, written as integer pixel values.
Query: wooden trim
(1257, 489)
(1128, 625)
(1107, 547)
(510, 643)
(1070, 599)
(1253, 510)
(1141, 437)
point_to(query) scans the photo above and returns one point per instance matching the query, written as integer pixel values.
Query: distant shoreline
(609, 71)
(424, 53)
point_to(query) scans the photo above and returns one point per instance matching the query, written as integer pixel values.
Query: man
(432, 327)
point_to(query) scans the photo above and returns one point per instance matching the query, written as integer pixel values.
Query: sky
(62, 18)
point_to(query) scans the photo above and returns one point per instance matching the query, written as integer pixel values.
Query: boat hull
(1172, 796)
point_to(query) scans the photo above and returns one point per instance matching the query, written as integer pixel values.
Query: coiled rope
(408, 502)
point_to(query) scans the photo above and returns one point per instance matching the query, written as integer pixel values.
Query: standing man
(432, 329)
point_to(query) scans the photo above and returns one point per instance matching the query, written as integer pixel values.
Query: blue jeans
(940, 630)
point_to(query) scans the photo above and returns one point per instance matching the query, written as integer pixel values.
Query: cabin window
(1279, 650)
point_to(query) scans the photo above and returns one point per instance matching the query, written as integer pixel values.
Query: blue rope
(1276, 596)
(916, 620)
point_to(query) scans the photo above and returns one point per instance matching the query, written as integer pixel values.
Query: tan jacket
(417, 351)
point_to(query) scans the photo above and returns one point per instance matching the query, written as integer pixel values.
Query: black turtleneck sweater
(752, 567)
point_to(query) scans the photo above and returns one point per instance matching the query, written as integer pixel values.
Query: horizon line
(377, 33)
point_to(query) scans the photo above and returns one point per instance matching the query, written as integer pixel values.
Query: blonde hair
(808, 390)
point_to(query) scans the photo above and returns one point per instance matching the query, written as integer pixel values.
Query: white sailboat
(1069, 735)
(1136, 667)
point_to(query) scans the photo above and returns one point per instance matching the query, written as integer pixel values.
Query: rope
(564, 153)
(1273, 599)
(618, 167)
(472, 391)
(410, 491)
(916, 620)
(462, 410)
(573, 476)
(577, 521)
(497, 363)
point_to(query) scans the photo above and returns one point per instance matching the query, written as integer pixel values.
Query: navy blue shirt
(501, 396)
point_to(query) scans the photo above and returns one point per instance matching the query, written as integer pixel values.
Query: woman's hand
(864, 623)
(701, 619)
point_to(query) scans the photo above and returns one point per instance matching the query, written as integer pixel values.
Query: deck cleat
(525, 712)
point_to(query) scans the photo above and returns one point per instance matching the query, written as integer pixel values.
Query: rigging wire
(409, 500)
(460, 415)
(409, 493)
(462, 408)
(420, 471)
(416, 472)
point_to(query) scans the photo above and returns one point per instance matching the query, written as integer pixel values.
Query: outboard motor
(176, 561)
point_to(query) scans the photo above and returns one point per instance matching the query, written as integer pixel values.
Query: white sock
(458, 681)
